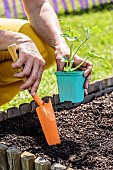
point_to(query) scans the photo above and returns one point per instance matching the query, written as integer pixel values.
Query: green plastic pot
(71, 86)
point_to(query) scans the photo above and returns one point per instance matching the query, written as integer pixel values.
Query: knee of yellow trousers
(7, 73)
(9, 85)
(24, 27)
(8, 92)
(4, 55)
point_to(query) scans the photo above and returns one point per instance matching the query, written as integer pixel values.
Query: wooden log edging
(96, 89)
(13, 159)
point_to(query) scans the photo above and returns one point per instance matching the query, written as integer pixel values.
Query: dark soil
(86, 135)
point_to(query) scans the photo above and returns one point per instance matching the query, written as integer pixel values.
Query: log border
(12, 157)
(96, 89)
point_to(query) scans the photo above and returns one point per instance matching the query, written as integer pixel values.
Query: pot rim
(64, 73)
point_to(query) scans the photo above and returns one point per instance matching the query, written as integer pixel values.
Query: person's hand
(33, 64)
(87, 66)
(61, 50)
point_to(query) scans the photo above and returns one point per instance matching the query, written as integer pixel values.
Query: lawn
(101, 43)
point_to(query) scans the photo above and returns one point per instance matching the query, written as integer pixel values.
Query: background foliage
(101, 44)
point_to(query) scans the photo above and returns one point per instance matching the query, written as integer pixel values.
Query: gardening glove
(32, 62)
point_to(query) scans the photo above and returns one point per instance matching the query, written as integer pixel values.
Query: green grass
(101, 44)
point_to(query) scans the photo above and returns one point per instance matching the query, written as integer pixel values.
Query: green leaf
(93, 55)
(64, 59)
(69, 38)
(73, 69)
(71, 61)
(66, 69)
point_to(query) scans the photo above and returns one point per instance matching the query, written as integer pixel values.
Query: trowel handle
(38, 100)
(12, 50)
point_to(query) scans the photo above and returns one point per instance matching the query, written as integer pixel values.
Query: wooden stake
(13, 112)
(3, 157)
(14, 155)
(25, 108)
(58, 166)
(42, 164)
(27, 161)
(1, 116)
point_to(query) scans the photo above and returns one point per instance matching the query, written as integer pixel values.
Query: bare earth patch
(86, 135)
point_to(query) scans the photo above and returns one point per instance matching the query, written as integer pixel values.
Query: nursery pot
(71, 86)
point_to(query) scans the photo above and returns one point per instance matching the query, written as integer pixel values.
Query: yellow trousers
(9, 85)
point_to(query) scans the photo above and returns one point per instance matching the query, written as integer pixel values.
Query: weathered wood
(14, 160)
(108, 90)
(92, 88)
(34, 105)
(56, 99)
(27, 161)
(13, 112)
(58, 166)
(89, 97)
(5, 116)
(25, 108)
(104, 83)
(110, 81)
(1, 116)
(42, 164)
(47, 98)
(3, 157)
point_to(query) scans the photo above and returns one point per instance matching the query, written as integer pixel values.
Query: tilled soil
(86, 135)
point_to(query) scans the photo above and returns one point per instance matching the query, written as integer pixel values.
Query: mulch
(86, 134)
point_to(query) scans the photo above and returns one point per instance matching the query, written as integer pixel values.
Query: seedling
(71, 38)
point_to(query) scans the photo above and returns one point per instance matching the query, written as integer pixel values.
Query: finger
(88, 69)
(82, 68)
(85, 92)
(19, 63)
(30, 81)
(34, 87)
(37, 82)
(26, 70)
(35, 75)
(87, 81)
(77, 60)
(60, 65)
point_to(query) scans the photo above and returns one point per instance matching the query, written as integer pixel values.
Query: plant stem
(87, 37)
(71, 56)
(73, 69)
(66, 65)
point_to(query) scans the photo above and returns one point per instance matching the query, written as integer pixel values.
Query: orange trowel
(45, 111)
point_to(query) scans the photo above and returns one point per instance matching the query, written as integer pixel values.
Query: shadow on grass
(101, 7)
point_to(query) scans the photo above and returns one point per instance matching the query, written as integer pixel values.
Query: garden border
(11, 157)
(96, 89)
